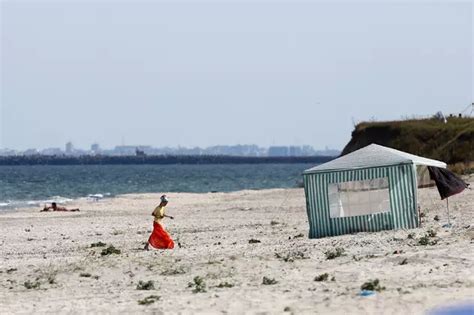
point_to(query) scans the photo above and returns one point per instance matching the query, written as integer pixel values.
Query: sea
(31, 186)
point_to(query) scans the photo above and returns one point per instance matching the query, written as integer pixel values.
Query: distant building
(79, 152)
(142, 150)
(328, 152)
(139, 152)
(7, 152)
(131, 149)
(278, 151)
(95, 148)
(235, 150)
(295, 151)
(125, 150)
(308, 150)
(69, 148)
(31, 152)
(52, 151)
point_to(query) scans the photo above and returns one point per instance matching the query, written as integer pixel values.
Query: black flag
(447, 182)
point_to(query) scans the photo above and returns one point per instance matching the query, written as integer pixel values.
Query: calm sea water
(34, 185)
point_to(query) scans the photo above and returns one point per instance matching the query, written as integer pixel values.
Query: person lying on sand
(55, 207)
(159, 238)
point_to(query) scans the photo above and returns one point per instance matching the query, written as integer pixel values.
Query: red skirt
(160, 238)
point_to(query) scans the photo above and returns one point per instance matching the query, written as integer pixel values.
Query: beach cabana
(371, 189)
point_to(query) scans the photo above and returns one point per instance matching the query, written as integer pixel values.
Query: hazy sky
(204, 73)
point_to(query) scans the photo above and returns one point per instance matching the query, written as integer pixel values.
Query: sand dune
(51, 254)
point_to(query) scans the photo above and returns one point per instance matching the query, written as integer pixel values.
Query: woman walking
(159, 238)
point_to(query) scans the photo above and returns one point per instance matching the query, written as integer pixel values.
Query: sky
(207, 73)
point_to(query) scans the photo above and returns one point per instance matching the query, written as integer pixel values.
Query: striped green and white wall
(403, 201)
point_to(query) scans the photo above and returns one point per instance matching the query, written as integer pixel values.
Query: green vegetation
(32, 285)
(149, 300)
(174, 271)
(451, 142)
(198, 284)
(291, 256)
(225, 285)
(110, 250)
(48, 274)
(332, 254)
(98, 244)
(372, 285)
(269, 281)
(149, 285)
(425, 240)
(322, 277)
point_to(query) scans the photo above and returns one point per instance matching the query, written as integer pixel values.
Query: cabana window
(356, 198)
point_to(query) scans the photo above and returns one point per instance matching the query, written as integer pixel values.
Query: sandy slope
(214, 230)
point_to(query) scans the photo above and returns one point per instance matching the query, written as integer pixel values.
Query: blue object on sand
(462, 309)
(367, 293)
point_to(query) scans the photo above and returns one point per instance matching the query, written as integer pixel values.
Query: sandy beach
(231, 241)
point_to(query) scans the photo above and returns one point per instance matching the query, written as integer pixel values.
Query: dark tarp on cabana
(447, 182)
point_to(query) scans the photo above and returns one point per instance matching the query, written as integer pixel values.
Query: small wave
(56, 199)
(13, 204)
(97, 197)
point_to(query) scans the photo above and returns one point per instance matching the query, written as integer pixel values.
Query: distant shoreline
(157, 159)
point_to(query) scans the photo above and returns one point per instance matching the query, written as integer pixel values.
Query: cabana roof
(373, 155)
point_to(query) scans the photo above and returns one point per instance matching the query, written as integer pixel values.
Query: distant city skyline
(127, 150)
(202, 73)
